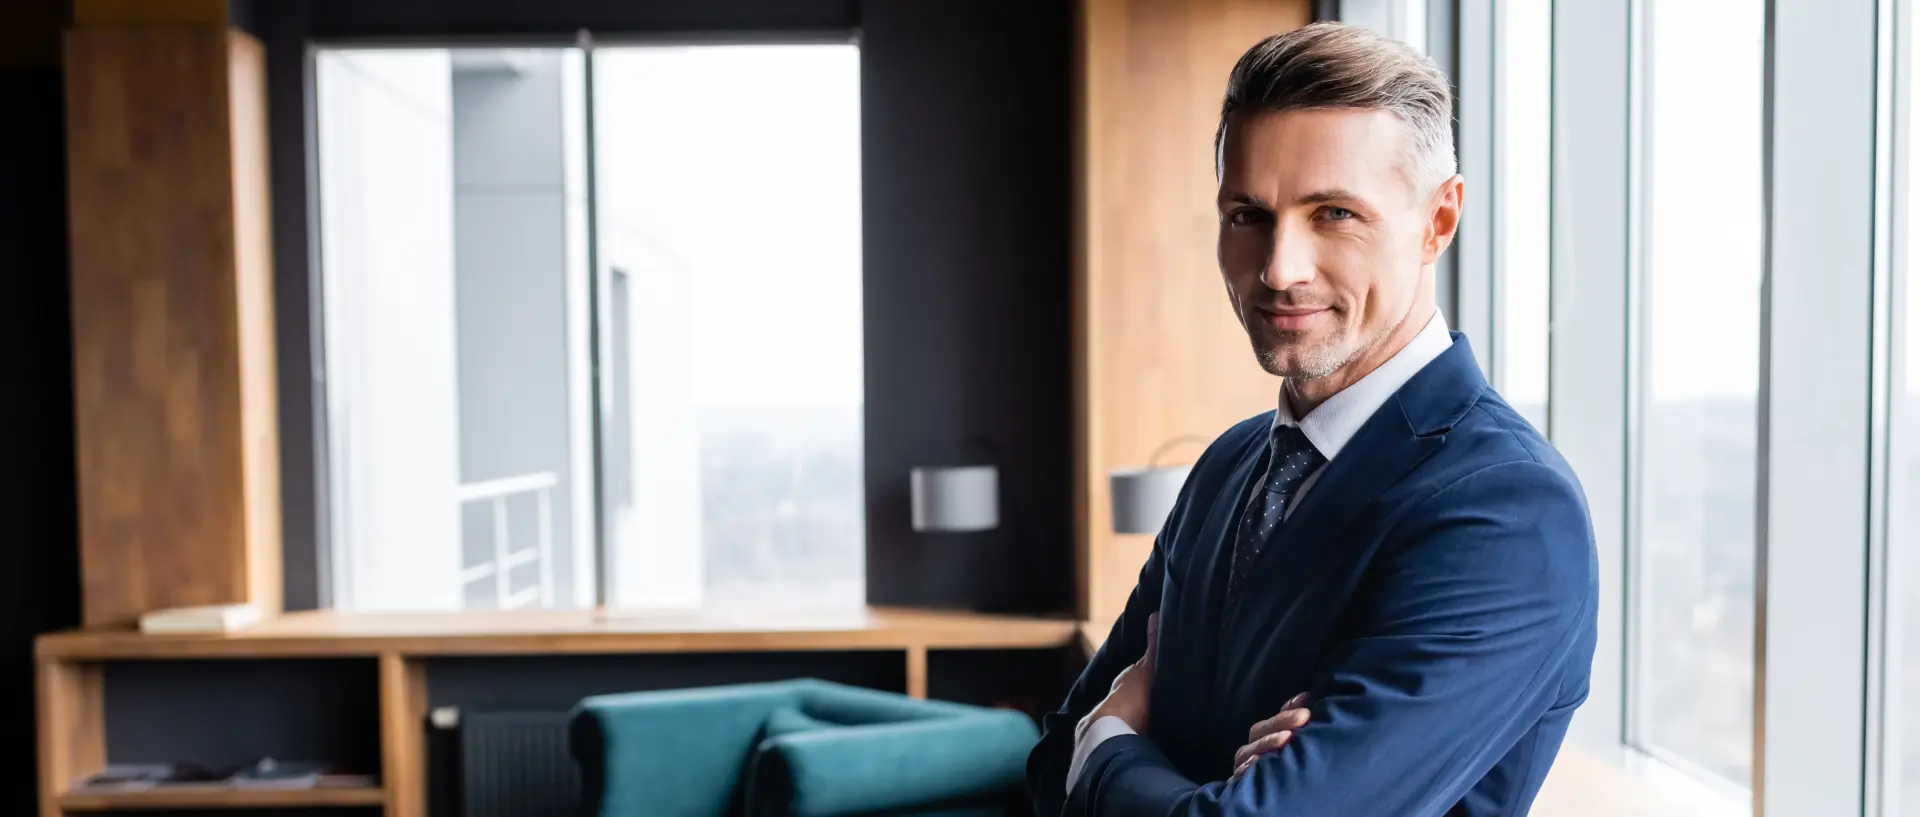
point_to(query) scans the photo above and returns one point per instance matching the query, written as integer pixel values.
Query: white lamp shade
(1143, 497)
(958, 498)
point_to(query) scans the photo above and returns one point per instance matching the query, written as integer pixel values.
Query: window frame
(1889, 589)
(1823, 87)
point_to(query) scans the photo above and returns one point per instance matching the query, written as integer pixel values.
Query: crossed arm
(1471, 612)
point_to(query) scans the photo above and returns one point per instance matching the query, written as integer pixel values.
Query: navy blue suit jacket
(1434, 592)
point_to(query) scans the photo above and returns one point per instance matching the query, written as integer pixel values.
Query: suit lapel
(1208, 576)
(1380, 455)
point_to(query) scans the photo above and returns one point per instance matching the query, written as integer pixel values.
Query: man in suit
(1378, 599)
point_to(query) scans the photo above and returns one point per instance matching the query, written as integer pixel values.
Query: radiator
(516, 764)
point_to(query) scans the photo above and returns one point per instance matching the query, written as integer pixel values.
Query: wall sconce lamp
(957, 498)
(1143, 497)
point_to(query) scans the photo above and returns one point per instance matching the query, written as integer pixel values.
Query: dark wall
(966, 177)
(966, 111)
(40, 582)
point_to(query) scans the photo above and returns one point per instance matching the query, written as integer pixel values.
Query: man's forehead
(1291, 153)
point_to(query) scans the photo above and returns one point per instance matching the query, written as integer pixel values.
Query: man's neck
(1303, 395)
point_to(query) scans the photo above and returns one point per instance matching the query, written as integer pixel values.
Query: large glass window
(1523, 115)
(509, 427)
(1697, 376)
(732, 235)
(1901, 699)
(1712, 252)
(454, 380)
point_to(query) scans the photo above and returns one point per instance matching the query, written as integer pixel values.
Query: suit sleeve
(1476, 606)
(1047, 764)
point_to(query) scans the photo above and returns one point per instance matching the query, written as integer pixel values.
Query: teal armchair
(802, 748)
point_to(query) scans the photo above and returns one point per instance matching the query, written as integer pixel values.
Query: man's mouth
(1293, 318)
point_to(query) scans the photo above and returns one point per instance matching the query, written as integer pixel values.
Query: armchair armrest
(885, 766)
(677, 753)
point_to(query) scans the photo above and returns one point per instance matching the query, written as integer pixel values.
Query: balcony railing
(497, 493)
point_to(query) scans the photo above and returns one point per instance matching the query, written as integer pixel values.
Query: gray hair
(1333, 66)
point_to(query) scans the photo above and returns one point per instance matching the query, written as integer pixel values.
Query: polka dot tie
(1292, 459)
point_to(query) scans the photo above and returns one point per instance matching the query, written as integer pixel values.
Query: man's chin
(1296, 360)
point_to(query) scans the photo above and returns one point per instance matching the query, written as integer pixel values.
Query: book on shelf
(143, 776)
(210, 618)
(266, 773)
(128, 777)
(279, 774)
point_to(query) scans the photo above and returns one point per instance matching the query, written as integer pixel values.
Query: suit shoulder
(1493, 433)
(1516, 522)
(1496, 467)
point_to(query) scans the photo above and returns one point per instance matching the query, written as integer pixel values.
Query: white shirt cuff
(1097, 733)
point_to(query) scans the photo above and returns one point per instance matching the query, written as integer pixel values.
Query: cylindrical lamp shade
(1143, 497)
(960, 498)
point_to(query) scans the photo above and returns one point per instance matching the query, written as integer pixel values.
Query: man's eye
(1336, 213)
(1246, 217)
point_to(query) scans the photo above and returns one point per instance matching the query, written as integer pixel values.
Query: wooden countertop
(215, 796)
(549, 632)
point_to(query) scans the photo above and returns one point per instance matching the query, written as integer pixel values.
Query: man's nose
(1289, 263)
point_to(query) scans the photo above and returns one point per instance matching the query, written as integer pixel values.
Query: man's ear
(1443, 217)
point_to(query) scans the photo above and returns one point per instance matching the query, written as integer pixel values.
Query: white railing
(505, 559)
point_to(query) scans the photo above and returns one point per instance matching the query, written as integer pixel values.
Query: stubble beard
(1288, 354)
(1294, 355)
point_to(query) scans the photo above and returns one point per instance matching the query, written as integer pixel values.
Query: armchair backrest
(802, 747)
(678, 753)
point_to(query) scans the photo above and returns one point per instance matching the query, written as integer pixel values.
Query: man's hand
(1269, 735)
(1127, 698)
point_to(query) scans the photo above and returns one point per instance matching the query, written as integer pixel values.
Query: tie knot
(1290, 443)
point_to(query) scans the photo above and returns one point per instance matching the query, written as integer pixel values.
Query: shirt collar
(1335, 421)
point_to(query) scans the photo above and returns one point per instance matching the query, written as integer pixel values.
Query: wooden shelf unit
(72, 720)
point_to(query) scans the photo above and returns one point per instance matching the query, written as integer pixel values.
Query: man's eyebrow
(1327, 196)
(1317, 197)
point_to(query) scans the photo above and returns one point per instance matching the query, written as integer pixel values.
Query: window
(734, 459)
(591, 336)
(1523, 111)
(1716, 382)
(1404, 20)
(1903, 493)
(1902, 694)
(1692, 545)
(454, 381)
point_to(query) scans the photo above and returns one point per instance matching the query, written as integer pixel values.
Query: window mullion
(1816, 386)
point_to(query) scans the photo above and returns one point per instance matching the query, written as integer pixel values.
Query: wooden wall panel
(1159, 351)
(172, 332)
